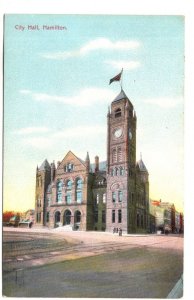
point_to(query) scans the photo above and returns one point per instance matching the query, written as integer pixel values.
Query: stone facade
(101, 196)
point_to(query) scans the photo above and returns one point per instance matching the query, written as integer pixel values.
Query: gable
(71, 163)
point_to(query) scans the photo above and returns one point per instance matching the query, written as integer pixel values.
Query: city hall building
(103, 195)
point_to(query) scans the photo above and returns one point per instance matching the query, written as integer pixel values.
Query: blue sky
(56, 95)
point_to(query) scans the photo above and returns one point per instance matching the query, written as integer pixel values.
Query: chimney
(96, 164)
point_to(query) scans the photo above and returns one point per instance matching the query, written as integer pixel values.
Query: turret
(53, 168)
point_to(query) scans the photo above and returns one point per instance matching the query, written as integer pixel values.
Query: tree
(8, 214)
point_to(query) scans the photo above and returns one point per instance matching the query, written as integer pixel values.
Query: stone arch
(67, 215)
(57, 218)
(77, 219)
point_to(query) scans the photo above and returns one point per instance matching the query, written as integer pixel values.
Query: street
(54, 263)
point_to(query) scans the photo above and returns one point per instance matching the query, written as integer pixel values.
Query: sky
(57, 93)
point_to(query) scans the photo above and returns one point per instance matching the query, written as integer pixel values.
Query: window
(117, 113)
(97, 199)
(103, 216)
(79, 190)
(132, 198)
(117, 171)
(96, 216)
(79, 196)
(38, 217)
(138, 220)
(69, 184)
(59, 191)
(79, 184)
(120, 194)
(113, 197)
(114, 155)
(142, 221)
(77, 216)
(47, 217)
(121, 171)
(69, 167)
(104, 198)
(48, 201)
(119, 216)
(68, 197)
(119, 154)
(113, 216)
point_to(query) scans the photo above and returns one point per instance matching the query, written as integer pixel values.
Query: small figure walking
(120, 232)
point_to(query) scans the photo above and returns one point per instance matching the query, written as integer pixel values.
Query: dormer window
(117, 113)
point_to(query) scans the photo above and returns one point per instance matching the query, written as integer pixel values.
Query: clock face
(118, 132)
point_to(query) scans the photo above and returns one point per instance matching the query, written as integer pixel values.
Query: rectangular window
(132, 198)
(47, 217)
(68, 197)
(103, 216)
(79, 196)
(96, 216)
(119, 216)
(97, 199)
(104, 198)
(113, 197)
(113, 216)
(120, 196)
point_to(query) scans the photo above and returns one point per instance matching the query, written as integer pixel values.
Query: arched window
(69, 184)
(113, 197)
(121, 171)
(57, 217)
(114, 155)
(119, 154)
(77, 216)
(59, 190)
(117, 171)
(117, 113)
(120, 196)
(79, 185)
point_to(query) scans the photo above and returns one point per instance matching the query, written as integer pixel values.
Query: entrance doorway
(67, 217)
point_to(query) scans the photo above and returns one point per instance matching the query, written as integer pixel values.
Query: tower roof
(142, 166)
(45, 165)
(120, 96)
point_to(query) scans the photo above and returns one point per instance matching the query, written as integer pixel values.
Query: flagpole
(121, 79)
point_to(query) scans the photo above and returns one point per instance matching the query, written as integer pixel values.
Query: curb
(177, 291)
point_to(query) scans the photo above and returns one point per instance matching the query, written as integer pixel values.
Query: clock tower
(121, 165)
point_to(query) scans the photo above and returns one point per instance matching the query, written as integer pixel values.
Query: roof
(142, 166)
(45, 165)
(102, 166)
(120, 96)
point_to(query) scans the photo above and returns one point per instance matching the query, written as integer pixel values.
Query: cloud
(93, 45)
(85, 97)
(26, 92)
(164, 102)
(43, 142)
(125, 64)
(31, 130)
(85, 129)
(38, 142)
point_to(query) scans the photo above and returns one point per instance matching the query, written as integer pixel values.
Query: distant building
(100, 196)
(165, 216)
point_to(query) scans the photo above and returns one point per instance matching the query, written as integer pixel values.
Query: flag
(117, 77)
